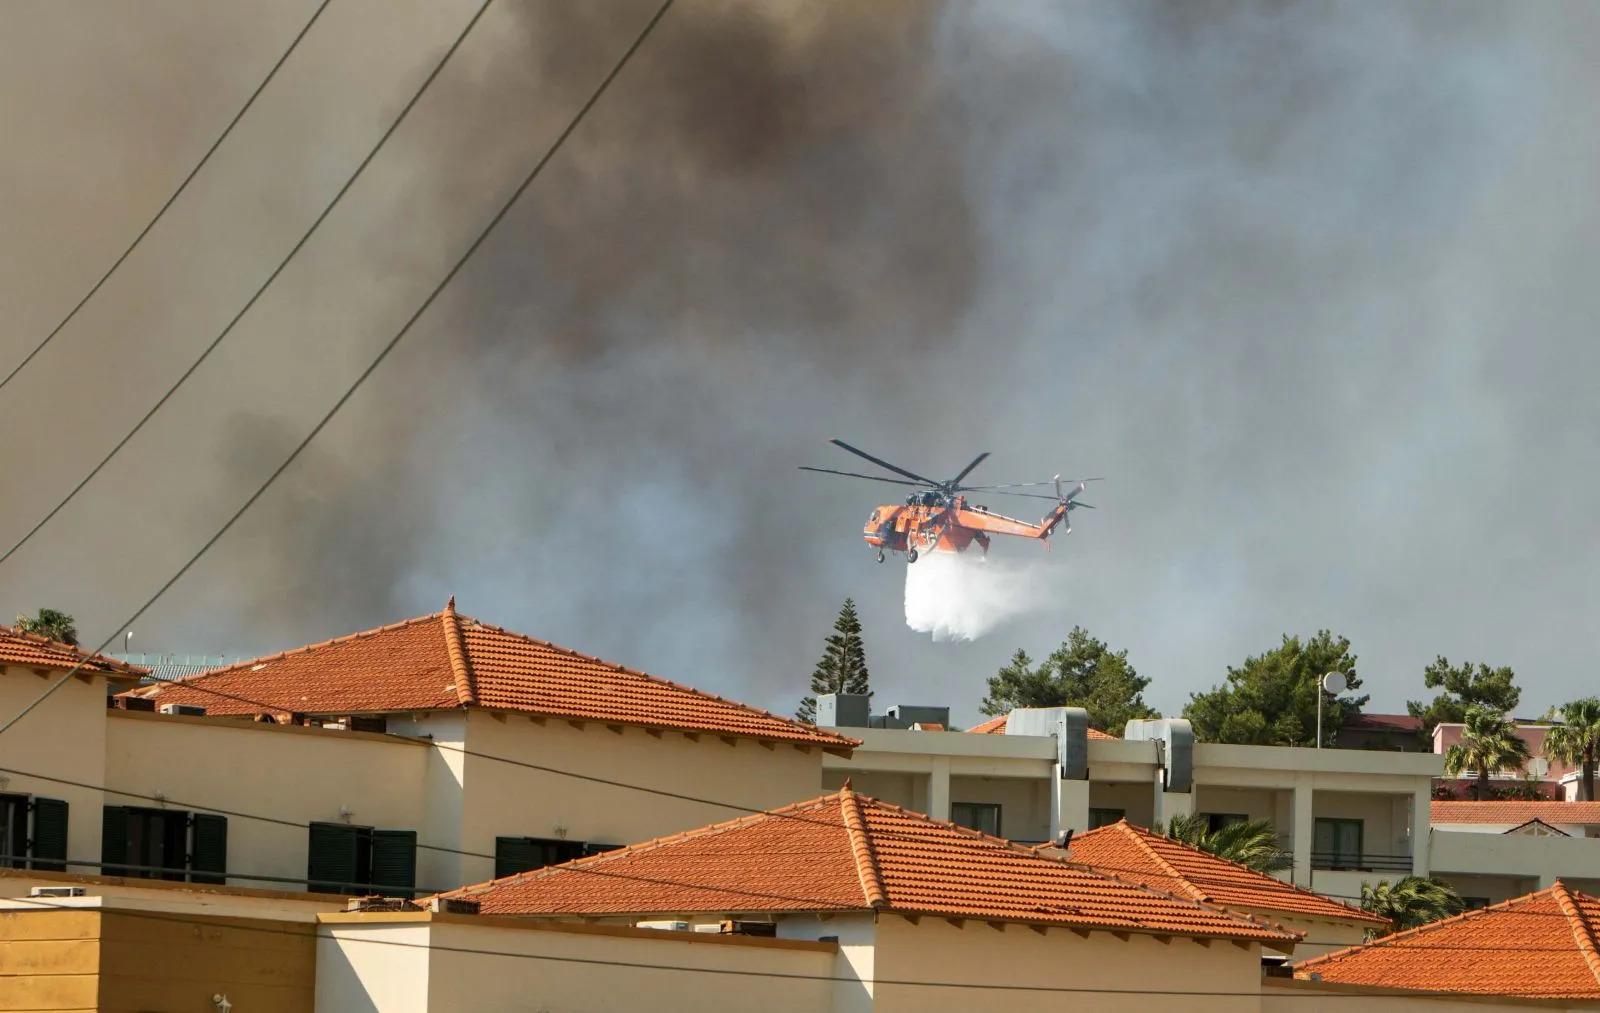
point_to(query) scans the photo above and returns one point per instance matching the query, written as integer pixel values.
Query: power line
(293, 45)
(781, 975)
(260, 290)
(383, 353)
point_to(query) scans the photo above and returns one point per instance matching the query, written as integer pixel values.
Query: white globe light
(1335, 683)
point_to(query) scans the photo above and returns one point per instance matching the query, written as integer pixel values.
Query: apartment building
(1347, 816)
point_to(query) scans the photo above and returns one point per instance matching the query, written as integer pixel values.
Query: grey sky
(1311, 283)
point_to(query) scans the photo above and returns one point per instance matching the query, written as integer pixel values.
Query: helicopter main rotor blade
(1025, 495)
(968, 469)
(870, 478)
(885, 464)
(1025, 485)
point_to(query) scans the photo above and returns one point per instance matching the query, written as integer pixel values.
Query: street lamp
(1333, 683)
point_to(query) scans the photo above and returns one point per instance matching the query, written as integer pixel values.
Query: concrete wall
(908, 790)
(1137, 800)
(1135, 970)
(296, 774)
(503, 799)
(540, 966)
(1024, 804)
(1543, 859)
(119, 961)
(65, 737)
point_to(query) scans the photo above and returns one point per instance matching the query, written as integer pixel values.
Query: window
(1105, 817)
(1216, 821)
(1336, 844)
(1475, 903)
(361, 860)
(33, 828)
(163, 844)
(980, 816)
(521, 854)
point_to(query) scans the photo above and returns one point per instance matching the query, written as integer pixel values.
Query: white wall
(503, 799)
(64, 737)
(1134, 970)
(296, 774)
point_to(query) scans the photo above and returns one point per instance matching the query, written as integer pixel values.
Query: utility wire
(260, 290)
(293, 45)
(383, 353)
(782, 975)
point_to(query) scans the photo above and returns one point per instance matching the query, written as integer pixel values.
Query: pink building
(1552, 775)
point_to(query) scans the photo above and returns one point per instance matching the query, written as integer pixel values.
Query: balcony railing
(1348, 862)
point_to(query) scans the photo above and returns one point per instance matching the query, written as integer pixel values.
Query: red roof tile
(1515, 813)
(1538, 946)
(446, 660)
(29, 650)
(997, 726)
(1131, 852)
(848, 852)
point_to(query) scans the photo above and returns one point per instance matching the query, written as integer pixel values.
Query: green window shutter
(208, 855)
(113, 840)
(516, 854)
(49, 844)
(331, 858)
(394, 861)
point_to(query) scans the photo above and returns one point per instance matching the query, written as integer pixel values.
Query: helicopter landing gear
(880, 555)
(911, 555)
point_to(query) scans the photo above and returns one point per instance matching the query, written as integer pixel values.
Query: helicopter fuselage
(933, 522)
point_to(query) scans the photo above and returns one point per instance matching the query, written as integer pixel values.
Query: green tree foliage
(1271, 699)
(1489, 742)
(1465, 685)
(1576, 741)
(50, 623)
(1412, 901)
(843, 666)
(1082, 672)
(1251, 843)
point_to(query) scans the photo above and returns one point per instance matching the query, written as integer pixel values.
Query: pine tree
(843, 666)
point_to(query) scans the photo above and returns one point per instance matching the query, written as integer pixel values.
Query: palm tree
(1412, 901)
(1488, 743)
(1251, 843)
(1576, 741)
(50, 623)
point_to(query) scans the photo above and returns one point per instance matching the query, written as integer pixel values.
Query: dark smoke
(1308, 281)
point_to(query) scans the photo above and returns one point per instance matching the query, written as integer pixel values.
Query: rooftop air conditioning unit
(182, 708)
(56, 891)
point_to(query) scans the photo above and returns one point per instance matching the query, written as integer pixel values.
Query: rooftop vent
(183, 708)
(136, 703)
(454, 906)
(56, 891)
(852, 710)
(381, 904)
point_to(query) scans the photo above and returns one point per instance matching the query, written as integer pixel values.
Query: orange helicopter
(938, 517)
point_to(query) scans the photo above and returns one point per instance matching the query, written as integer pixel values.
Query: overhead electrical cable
(260, 290)
(293, 45)
(383, 353)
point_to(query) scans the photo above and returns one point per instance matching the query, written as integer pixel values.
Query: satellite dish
(1335, 683)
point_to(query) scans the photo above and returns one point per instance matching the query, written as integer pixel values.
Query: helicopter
(938, 516)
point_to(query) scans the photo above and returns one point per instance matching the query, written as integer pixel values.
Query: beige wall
(1256, 803)
(507, 800)
(1322, 935)
(1293, 996)
(296, 774)
(933, 950)
(1137, 800)
(65, 737)
(358, 973)
(1024, 804)
(901, 789)
(1542, 859)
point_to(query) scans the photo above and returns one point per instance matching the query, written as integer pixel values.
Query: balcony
(1344, 861)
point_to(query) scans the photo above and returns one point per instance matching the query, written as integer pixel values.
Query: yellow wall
(503, 799)
(360, 974)
(933, 950)
(141, 961)
(65, 737)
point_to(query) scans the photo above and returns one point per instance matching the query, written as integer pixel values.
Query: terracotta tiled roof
(1538, 946)
(1515, 813)
(29, 650)
(446, 660)
(997, 726)
(848, 852)
(1131, 852)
